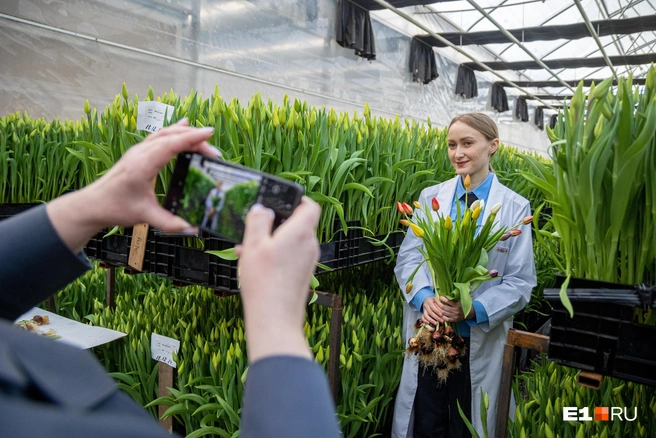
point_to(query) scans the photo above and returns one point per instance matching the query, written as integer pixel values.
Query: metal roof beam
(479, 20)
(595, 36)
(459, 29)
(601, 4)
(512, 38)
(453, 46)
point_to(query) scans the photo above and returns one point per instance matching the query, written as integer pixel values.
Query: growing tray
(604, 336)
(169, 257)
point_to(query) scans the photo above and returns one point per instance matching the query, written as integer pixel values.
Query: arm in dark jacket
(287, 396)
(34, 262)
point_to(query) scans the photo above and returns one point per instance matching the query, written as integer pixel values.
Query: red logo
(601, 414)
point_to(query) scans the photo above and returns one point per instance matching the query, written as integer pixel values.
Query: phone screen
(218, 197)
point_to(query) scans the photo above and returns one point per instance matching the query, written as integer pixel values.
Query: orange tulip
(399, 207)
(527, 220)
(405, 222)
(467, 182)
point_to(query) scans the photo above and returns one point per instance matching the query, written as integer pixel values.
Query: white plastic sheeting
(56, 54)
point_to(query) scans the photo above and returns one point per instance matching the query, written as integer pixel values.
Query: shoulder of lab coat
(511, 295)
(409, 256)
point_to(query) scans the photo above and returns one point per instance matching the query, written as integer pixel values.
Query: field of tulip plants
(599, 190)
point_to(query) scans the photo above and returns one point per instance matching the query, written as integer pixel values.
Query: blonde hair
(481, 123)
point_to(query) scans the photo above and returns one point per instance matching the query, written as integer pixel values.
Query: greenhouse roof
(547, 33)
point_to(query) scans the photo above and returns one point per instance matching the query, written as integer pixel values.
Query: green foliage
(238, 200)
(601, 185)
(542, 393)
(197, 186)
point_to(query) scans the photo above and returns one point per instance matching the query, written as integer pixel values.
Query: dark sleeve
(34, 262)
(287, 396)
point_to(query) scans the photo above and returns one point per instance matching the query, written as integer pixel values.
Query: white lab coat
(501, 297)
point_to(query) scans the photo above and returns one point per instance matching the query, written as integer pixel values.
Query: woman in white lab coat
(472, 139)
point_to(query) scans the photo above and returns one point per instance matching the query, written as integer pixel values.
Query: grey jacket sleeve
(287, 396)
(34, 262)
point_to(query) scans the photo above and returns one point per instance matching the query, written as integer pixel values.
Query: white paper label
(162, 349)
(150, 115)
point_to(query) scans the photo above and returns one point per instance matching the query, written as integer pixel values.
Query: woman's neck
(476, 180)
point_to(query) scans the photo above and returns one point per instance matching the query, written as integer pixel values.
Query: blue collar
(481, 192)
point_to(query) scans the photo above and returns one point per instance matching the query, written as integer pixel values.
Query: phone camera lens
(275, 189)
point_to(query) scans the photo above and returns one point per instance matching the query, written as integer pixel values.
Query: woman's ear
(494, 146)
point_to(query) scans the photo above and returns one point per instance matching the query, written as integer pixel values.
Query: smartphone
(216, 195)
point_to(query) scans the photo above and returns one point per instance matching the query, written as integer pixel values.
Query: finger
(167, 221)
(238, 250)
(429, 319)
(175, 128)
(259, 223)
(160, 152)
(446, 302)
(208, 149)
(302, 222)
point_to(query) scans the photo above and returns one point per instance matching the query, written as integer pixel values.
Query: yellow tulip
(448, 223)
(408, 288)
(417, 230)
(417, 204)
(476, 213)
(467, 182)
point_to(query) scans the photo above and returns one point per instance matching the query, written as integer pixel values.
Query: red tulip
(434, 204)
(407, 209)
(399, 207)
(515, 232)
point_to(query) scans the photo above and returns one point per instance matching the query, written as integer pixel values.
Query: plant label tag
(162, 349)
(150, 115)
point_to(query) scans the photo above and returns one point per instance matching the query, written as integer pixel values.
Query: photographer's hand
(124, 195)
(275, 280)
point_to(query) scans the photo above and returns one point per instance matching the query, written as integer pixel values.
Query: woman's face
(470, 151)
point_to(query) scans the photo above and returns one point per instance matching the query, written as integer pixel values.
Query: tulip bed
(342, 159)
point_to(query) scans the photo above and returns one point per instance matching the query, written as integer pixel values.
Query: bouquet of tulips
(456, 254)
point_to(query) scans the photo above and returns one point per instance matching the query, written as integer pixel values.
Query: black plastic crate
(369, 252)
(604, 336)
(9, 210)
(223, 274)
